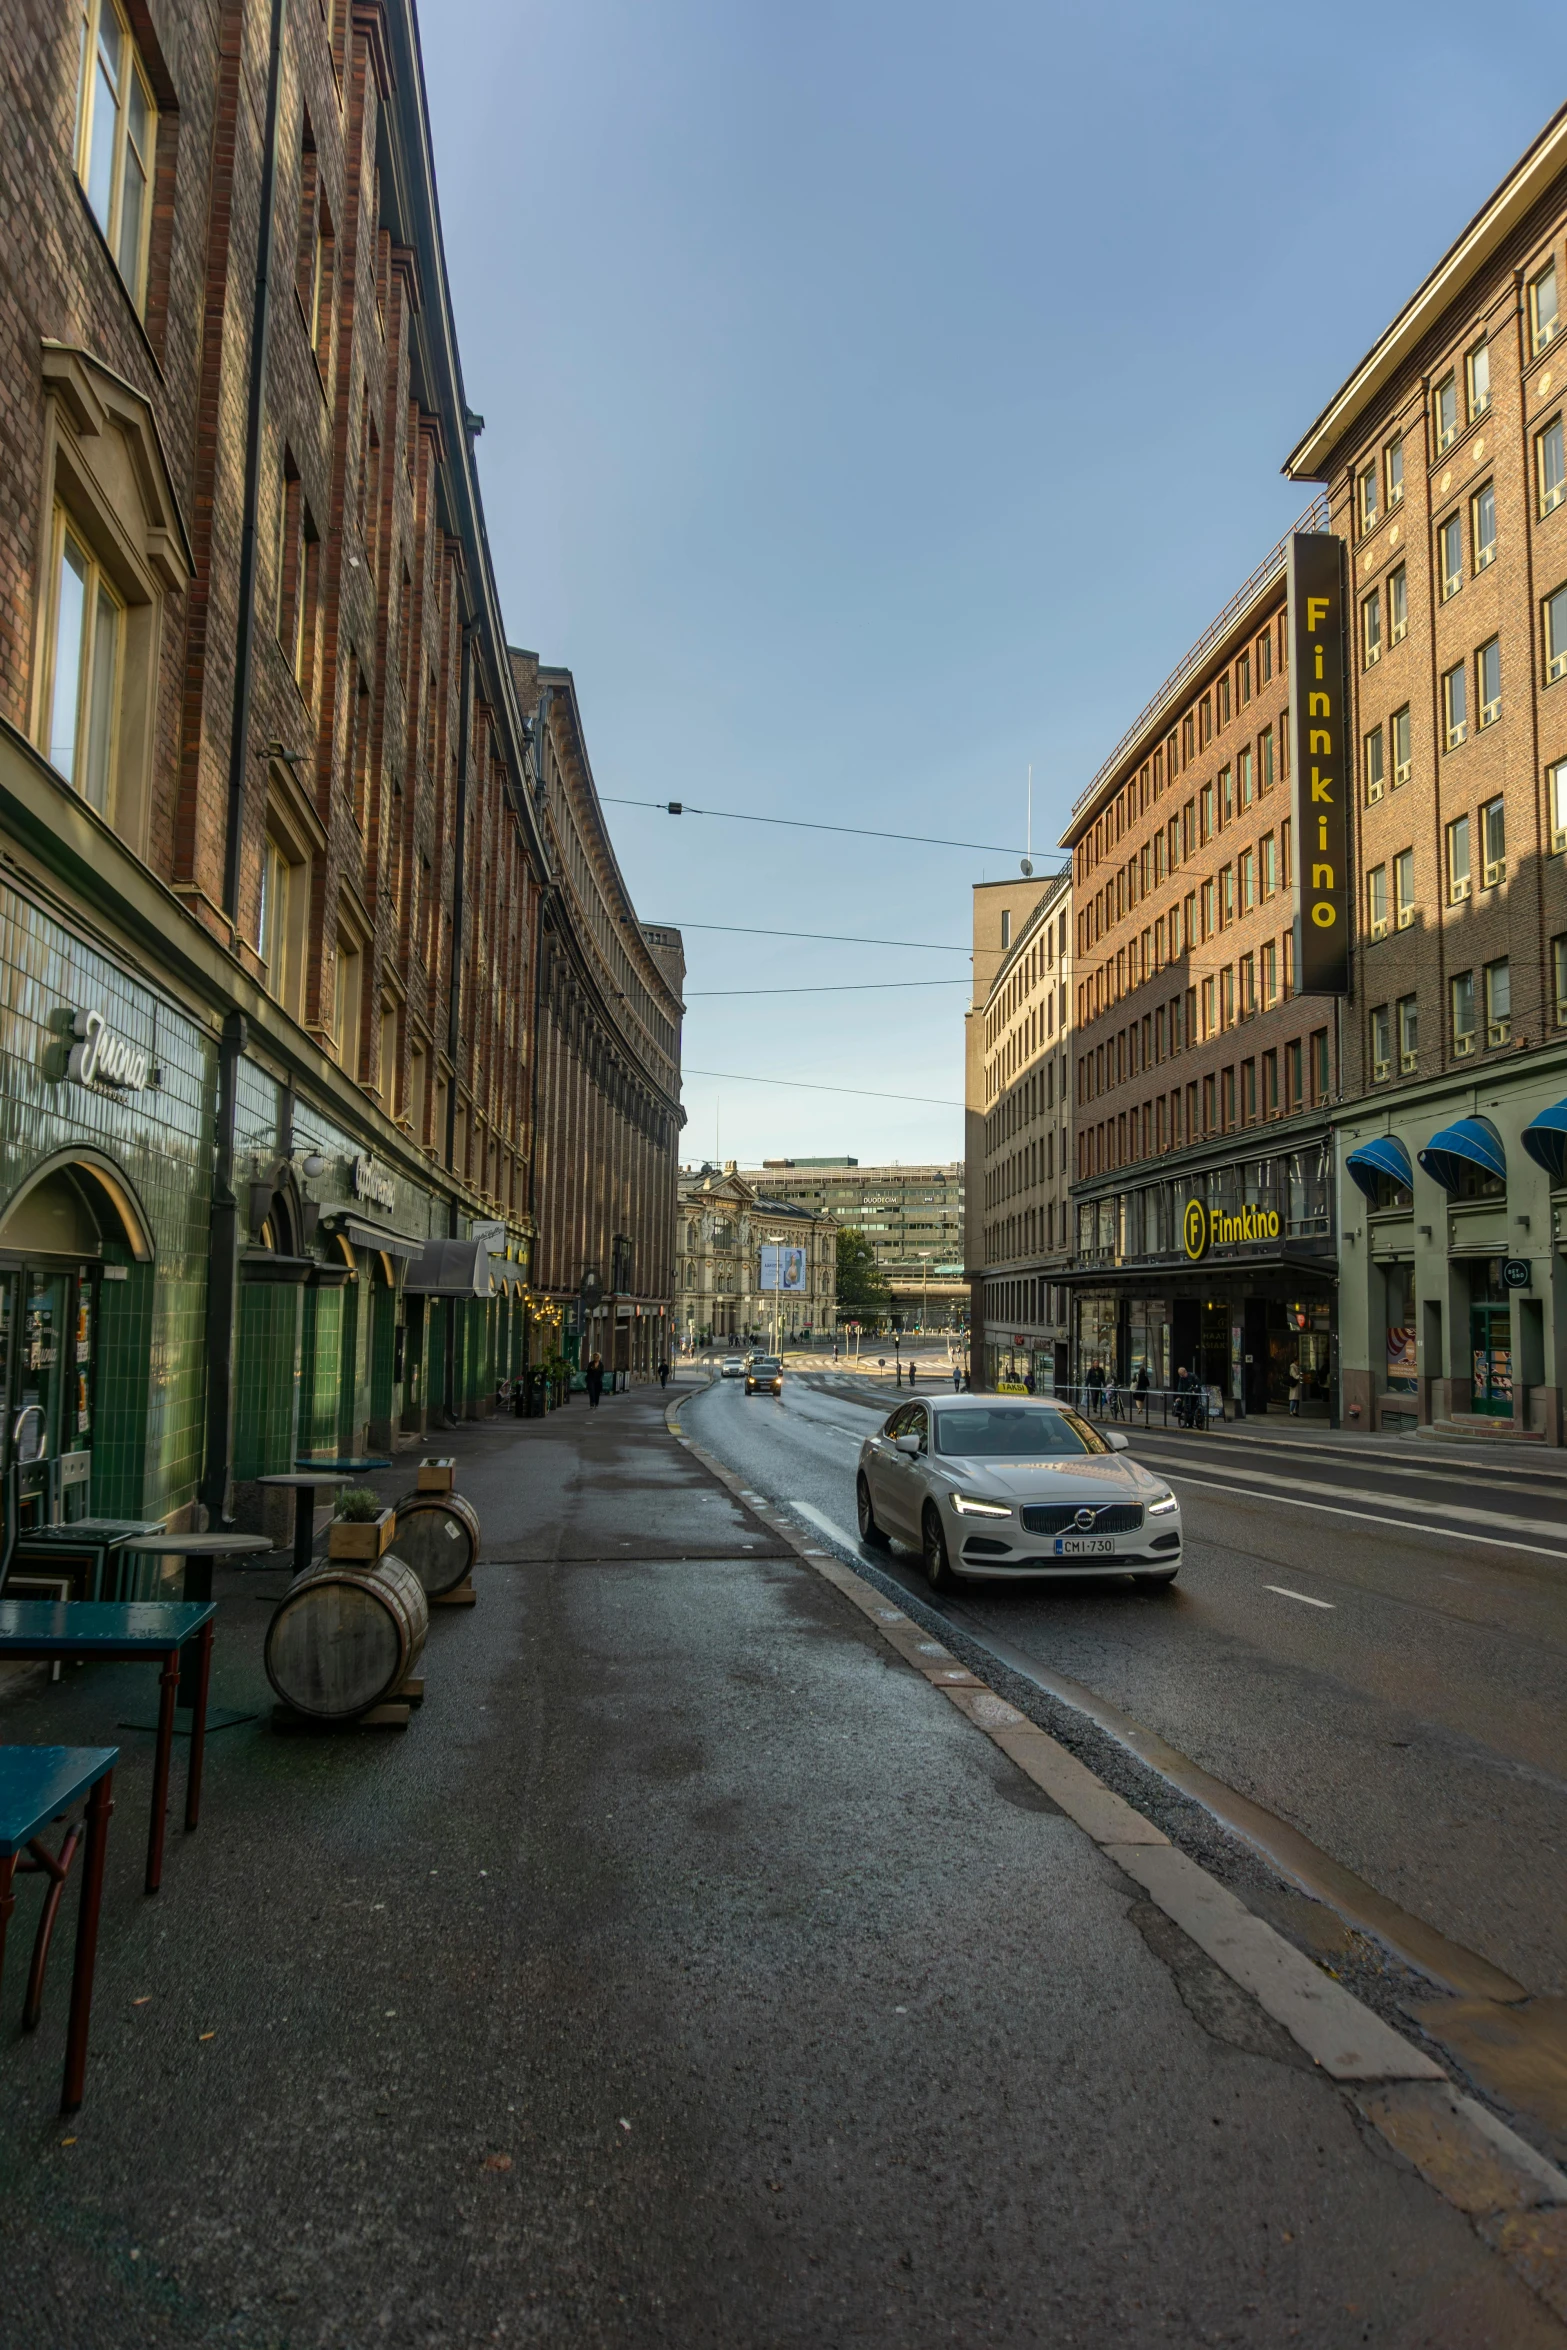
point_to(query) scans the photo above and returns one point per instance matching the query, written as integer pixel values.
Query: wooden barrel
(438, 1534)
(346, 1636)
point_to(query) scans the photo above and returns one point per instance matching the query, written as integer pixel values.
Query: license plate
(1077, 1547)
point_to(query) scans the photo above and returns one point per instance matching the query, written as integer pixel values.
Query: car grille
(1117, 1517)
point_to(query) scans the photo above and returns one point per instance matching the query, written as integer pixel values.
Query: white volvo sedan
(993, 1485)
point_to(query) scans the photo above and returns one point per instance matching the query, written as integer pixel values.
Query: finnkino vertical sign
(1321, 765)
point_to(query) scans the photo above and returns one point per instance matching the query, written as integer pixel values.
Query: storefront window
(1306, 1183)
(1400, 1289)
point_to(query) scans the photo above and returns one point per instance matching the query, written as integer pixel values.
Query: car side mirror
(1115, 1440)
(909, 1446)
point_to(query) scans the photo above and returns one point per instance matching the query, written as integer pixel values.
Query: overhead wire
(802, 1085)
(805, 824)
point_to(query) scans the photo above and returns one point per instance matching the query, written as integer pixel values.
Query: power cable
(803, 824)
(800, 1085)
(842, 938)
(847, 987)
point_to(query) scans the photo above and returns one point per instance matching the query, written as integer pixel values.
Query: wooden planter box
(437, 1475)
(364, 1538)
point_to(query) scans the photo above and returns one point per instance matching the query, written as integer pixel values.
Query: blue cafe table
(39, 1784)
(150, 1632)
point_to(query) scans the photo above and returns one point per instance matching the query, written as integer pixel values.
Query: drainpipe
(222, 1280)
(454, 998)
(260, 314)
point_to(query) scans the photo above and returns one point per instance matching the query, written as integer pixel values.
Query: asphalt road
(1371, 1646)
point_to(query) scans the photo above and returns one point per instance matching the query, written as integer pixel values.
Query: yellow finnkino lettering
(1314, 605)
(1319, 705)
(1324, 915)
(1322, 877)
(1250, 1224)
(1320, 787)
(1321, 743)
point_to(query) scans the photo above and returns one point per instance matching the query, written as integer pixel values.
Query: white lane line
(824, 1525)
(1440, 1465)
(1447, 1509)
(1292, 1501)
(1304, 1597)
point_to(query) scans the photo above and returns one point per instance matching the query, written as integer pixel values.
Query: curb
(1513, 2197)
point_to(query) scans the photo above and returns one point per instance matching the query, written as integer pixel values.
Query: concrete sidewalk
(690, 1972)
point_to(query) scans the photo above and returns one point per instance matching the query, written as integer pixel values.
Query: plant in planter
(362, 1527)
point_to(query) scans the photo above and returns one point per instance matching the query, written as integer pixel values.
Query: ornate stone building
(724, 1223)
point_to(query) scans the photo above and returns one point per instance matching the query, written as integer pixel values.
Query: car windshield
(767, 1363)
(1014, 1432)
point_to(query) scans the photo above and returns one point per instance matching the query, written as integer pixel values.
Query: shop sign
(1517, 1273)
(373, 1184)
(100, 1057)
(1203, 1228)
(1319, 747)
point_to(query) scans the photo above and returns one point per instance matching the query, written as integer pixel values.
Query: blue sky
(880, 399)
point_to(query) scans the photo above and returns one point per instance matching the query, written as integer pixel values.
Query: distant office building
(912, 1217)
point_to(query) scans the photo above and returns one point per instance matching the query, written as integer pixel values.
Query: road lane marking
(1304, 1597)
(824, 1525)
(1449, 1509)
(1292, 1501)
(1459, 1471)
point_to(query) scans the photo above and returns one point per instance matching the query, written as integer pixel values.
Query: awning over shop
(360, 1234)
(1545, 1140)
(453, 1268)
(1385, 1156)
(1472, 1142)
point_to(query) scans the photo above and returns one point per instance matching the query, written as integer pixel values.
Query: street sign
(1517, 1273)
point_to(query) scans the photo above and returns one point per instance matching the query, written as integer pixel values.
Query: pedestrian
(1294, 1391)
(663, 1370)
(1141, 1385)
(1028, 1382)
(957, 1378)
(1184, 1402)
(1096, 1388)
(1112, 1403)
(593, 1380)
(911, 1374)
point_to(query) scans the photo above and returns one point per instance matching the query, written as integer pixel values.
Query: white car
(997, 1485)
(732, 1367)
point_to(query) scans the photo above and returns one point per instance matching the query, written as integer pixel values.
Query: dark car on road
(764, 1375)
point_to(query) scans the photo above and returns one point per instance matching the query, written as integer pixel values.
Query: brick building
(277, 867)
(1017, 1097)
(1443, 460)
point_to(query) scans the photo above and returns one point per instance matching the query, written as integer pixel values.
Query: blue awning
(1386, 1156)
(1472, 1142)
(1545, 1140)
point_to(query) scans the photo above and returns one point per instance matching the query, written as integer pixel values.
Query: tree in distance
(861, 1289)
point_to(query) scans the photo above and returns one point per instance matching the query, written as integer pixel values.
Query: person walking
(1294, 1391)
(593, 1380)
(911, 1374)
(663, 1370)
(1140, 1387)
(957, 1378)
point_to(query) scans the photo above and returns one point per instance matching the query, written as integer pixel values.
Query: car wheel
(870, 1533)
(1162, 1581)
(938, 1567)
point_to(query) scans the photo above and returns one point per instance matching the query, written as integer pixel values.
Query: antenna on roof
(1028, 861)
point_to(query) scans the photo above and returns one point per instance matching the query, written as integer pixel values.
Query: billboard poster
(783, 1266)
(1321, 763)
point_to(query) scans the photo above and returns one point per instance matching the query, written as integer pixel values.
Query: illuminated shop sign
(98, 1056)
(1203, 1228)
(373, 1183)
(1319, 748)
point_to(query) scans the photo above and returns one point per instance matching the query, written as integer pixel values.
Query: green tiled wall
(266, 1377)
(320, 1372)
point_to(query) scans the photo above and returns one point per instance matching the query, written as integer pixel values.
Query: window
(1550, 458)
(1381, 1043)
(1482, 525)
(1368, 498)
(345, 1004)
(1444, 413)
(386, 1068)
(1455, 707)
(1294, 1088)
(1556, 804)
(1477, 372)
(1371, 629)
(1399, 724)
(1265, 759)
(1248, 972)
(1488, 682)
(1397, 605)
(1248, 1093)
(1544, 317)
(1226, 896)
(1209, 1021)
(1559, 977)
(1246, 867)
(1493, 842)
(1458, 882)
(1393, 467)
(1284, 856)
(1376, 901)
(1269, 856)
(1404, 888)
(1209, 924)
(1243, 679)
(82, 653)
(1227, 996)
(1006, 927)
(1319, 1064)
(1461, 993)
(1264, 657)
(1556, 636)
(1498, 1003)
(1205, 813)
(1269, 960)
(1408, 1035)
(280, 926)
(1224, 701)
(1243, 778)
(1226, 796)
(1375, 773)
(1270, 1085)
(1450, 557)
(116, 128)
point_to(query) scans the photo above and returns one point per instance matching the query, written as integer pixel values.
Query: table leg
(198, 1729)
(7, 1899)
(304, 1525)
(56, 1866)
(197, 1585)
(100, 1803)
(168, 1684)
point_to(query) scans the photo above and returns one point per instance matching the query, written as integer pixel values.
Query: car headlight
(971, 1505)
(1162, 1509)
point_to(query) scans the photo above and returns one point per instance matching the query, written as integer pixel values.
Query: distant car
(764, 1375)
(991, 1485)
(733, 1367)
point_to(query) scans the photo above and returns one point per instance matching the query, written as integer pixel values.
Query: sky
(879, 400)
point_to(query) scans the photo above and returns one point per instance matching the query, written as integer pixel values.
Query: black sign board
(1517, 1273)
(1320, 750)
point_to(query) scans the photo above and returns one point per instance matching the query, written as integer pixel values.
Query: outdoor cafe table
(198, 1551)
(150, 1632)
(99, 1535)
(37, 1784)
(303, 1484)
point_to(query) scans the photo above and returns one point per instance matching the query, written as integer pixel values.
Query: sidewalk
(691, 1972)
